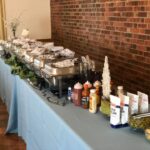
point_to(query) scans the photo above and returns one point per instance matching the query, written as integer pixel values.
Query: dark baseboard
(45, 40)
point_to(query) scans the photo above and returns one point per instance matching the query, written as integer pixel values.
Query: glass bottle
(97, 85)
(120, 94)
(120, 91)
(85, 97)
(89, 84)
(93, 101)
(77, 94)
(69, 94)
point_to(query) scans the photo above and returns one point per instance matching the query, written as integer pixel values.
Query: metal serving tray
(40, 62)
(30, 57)
(52, 71)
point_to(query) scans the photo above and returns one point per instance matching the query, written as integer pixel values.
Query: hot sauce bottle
(89, 84)
(85, 96)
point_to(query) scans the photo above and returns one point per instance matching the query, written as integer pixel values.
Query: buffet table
(46, 126)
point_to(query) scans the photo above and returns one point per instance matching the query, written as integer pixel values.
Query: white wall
(35, 16)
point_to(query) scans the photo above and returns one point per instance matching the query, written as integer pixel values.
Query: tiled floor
(9, 141)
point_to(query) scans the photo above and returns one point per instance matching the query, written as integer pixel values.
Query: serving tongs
(141, 116)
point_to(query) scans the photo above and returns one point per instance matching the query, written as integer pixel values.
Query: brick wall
(119, 29)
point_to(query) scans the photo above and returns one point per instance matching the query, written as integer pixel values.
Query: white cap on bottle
(78, 86)
(97, 83)
(88, 83)
(92, 91)
(120, 87)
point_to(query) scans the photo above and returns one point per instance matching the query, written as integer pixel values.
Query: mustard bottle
(93, 101)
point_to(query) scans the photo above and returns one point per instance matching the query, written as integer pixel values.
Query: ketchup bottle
(77, 94)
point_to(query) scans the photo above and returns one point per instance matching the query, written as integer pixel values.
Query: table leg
(60, 86)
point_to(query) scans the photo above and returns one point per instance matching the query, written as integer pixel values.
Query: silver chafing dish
(66, 71)
(29, 57)
(21, 52)
(55, 75)
(40, 61)
(36, 52)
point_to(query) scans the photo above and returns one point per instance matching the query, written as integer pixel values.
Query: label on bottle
(77, 94)
(85, 101)
(93, 104)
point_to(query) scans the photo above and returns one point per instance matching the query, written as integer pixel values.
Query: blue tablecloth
(7, 84)
(32, 118)
(45, 126)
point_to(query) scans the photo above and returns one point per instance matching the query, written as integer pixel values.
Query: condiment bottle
(89, 84)
(147, 134)
(69, 94)
(97, 85)
(120, 91)
(112, 87)
(85, 97)
(120, 94)
(77, 94)
(93, 101)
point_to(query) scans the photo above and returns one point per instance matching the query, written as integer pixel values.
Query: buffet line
(59, 70)
(46, 66)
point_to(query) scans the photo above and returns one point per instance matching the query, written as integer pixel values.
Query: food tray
(30, 57)
(52, 71)
(141, 121)
(40, 63)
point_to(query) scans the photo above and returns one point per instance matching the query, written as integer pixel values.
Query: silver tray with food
(61, 71)
(29, 58)
(22, 52)
(41, 60)
(62, 68)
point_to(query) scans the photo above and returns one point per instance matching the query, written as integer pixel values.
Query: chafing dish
(21, 52)
(61, 67)
(40, 61)
(37, 52)
(55, 76)
(30, 57)
(53, 71)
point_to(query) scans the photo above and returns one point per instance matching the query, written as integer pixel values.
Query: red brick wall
(119, 29)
